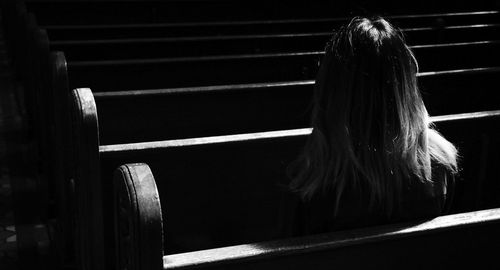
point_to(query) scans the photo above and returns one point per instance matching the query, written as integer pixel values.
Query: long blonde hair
(370, 125)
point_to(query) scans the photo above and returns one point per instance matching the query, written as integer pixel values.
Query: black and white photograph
(239, 134)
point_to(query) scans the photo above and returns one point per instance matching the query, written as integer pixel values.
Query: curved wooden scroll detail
(87, 184)
(138, 218)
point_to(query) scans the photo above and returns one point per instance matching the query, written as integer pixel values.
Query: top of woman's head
(367, 84)
(374, 38)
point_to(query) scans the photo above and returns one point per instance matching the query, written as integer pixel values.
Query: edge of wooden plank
(330, 240)
(116, 148)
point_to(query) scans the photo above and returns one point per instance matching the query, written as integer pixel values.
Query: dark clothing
(419, 200)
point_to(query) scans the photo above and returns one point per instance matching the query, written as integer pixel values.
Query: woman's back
(420, 200)
(373, 156)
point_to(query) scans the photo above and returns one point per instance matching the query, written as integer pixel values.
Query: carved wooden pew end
(138, 218)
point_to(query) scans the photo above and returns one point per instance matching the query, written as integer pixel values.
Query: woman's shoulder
(430, 198)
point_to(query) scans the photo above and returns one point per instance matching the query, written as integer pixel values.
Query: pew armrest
(137, 218)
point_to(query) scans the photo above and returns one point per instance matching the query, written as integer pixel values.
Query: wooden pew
(471, 54)
(476, 137)
(306, 73)
(461, 240)
(57, 99)
(174, 113)
(55, 12)
(108, 49)
(26, 45)
(417, 36)
(257, 162)
(29, 49)
(301, 71)
(249, 170)
(207, 111)
(14, 22)
(62, 98)
(197, 26)
(440, 89)
(57, 138)
(460, 50)
(454, 240)
(151, 82)
(133, 74)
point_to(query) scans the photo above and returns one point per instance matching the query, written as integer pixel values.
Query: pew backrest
(241, 25)
(191, 112)
(162, 47)
(133, 74)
